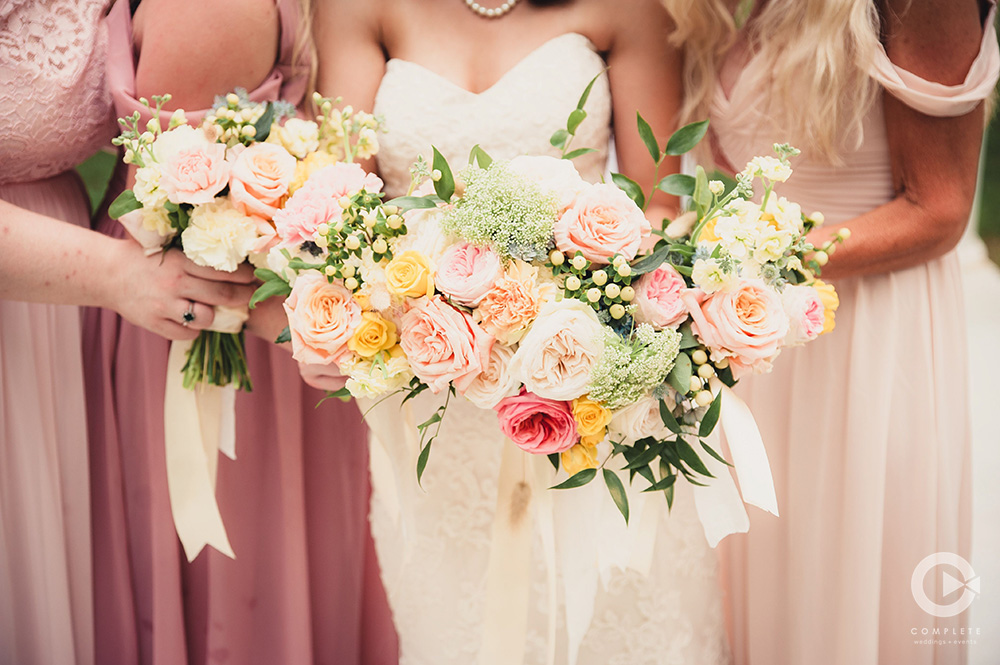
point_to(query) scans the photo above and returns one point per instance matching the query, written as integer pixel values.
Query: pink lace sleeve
(940, 100)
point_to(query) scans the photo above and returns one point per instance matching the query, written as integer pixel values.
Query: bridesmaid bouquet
(527, 290)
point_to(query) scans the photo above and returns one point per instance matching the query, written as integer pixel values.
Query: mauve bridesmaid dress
(304, 587)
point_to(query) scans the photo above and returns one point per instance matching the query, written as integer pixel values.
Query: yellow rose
(313, 162)
(591, 420)
(707, 233)
(828, 296)
(372, 335)
(578, 458)
(409, 274)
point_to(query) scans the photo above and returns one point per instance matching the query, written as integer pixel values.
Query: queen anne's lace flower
(630, 368)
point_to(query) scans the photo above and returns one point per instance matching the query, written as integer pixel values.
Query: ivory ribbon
(198, 424)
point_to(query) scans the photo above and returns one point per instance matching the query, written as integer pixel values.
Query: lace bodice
(54, 107)
(516, 115)
(434, 544)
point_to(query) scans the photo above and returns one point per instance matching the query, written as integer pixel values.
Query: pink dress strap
(940, 100)
(287, 81)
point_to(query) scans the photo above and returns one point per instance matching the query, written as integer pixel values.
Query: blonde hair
(814, 60)
(304, 52)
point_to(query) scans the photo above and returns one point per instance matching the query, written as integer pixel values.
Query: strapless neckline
(523, 62)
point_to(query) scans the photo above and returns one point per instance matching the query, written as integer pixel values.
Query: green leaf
(690, 457)
(686, 138)
(263, 124)
(554, 460)
(663, 483)
(617, 491)
(344, 395)
(274, 287)
(285, 336)
(124, 204)
(575, 118)
(435, 418)
(711, 417)
(687, 337)
(559, 138)
(579, 152)
(425, 453)
(299, 264)
(477, 154)
(742, 13)
(647, 473)
(668, 419)
(630, 187)
(265, 275)
(405, 203)
(680, 375)
(711, 451)
(702, 195)
(646, 134)
(577, 480)
(678, 184)
(650, 262)
(444, 187)
(586, 91)
(666, 471)
(645, 457)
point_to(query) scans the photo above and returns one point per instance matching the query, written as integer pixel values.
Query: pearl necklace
(487, 12)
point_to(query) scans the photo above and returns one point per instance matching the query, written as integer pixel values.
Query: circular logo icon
(969, 584)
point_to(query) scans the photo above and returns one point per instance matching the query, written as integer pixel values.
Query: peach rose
(602, 222)
(466, 272)
(658, 298)
(805, 313)
(322, 317)
(746, 324)
(260, 178)
(196, 173)
(537, 425)
(443, 344)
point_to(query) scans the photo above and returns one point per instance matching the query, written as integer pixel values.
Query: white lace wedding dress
(434, 544)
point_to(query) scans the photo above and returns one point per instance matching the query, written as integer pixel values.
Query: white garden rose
(638, 420)
(299, 137)
(370, 380)
(496, 381)
(558, 176)
(555, 357)
(219, 236)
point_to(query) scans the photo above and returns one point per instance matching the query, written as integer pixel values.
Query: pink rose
(316, 201)
(746, 324)
(806, 314)
(658, 298)
(466, 272)
(602, 222)
(195, 174)
(537, 425)
(260, 178)
(443, 344)
(321, 318)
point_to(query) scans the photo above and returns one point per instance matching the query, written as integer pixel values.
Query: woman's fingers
(242, 275)
(194, 315)
(322, 377)
(210, 292)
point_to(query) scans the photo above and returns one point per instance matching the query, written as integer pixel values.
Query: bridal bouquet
(542, 297)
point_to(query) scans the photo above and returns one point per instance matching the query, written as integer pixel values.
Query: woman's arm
(934, 160)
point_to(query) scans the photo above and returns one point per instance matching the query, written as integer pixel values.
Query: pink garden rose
(537, 425)
(806, 314)
(260, 178)
(316, 201)
(746, 324)
(443, 344)
(658, 298)
(466, 272)
(196, 173)
(322, 318)
(603, 221)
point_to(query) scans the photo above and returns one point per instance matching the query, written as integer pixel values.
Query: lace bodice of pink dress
(54, 112)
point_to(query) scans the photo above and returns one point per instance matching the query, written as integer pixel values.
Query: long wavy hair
(815, 57)
(304, 52)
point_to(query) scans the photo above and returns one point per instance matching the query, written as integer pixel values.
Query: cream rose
(443, 344)
(322, 317)
(551, 174)
(555, 357)
(260, 178)
(495, 382)
(602, 222)
(639, 420)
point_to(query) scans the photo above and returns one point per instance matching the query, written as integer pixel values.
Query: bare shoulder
(935, 39)
(196, 49)
(635, 21)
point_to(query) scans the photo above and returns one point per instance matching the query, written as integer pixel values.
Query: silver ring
(188, 317)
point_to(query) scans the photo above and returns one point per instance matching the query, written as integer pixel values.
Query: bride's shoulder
(625, 20)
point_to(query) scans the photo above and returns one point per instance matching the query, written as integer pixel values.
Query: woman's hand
(322, 377)
(268, 319)
(154, 292)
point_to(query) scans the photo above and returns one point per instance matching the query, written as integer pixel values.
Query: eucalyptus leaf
(478, 155)
(650, 262)
(559, 138)
(680, 375)
(688, 340)
(586, 92)
(425, 453)
(444, 187)
(617, 491)
(577, 480)
(575, 118)
(284, 337)
(579, 152)
(124, 204)
(630, 187)
(412, 202)
(686, 138)
(711, 417)
(263, 124)
(668, 419)
(702, 195)
(690, 457)
(678, 184)
(647, 136)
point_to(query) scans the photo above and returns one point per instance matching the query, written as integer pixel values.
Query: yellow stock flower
(707, 233)
(313, 162)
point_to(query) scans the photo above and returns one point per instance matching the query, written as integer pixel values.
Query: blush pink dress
(304, 587)
(867, 429)
(54, 112)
